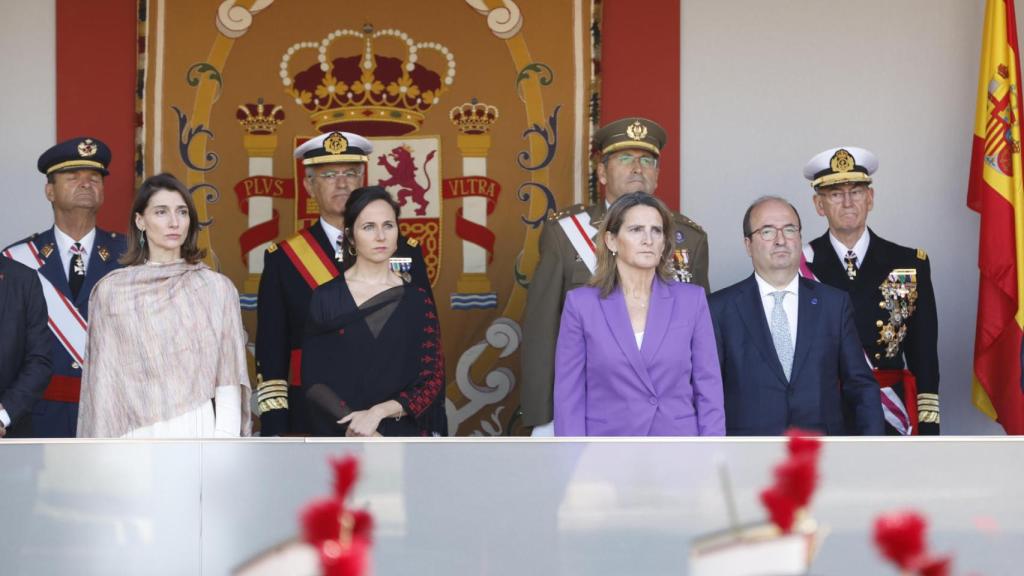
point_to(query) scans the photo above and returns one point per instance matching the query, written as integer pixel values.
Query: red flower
(900, 537)
(803, 442)
(320, 521)
(781, 508)
(345, 471)
(797, 478)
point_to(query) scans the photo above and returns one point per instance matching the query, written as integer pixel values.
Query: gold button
(878, 356)
(881, 304)
(75, 365)
(879, 323)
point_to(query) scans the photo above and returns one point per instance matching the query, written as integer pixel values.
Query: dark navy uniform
(284, 297)
(56, 415)
(918, 350)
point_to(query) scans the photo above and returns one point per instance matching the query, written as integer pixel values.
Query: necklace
(639, 301)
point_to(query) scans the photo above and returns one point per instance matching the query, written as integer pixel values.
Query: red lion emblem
(403, 174)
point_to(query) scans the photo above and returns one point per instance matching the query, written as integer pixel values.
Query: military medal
(851, 264)
(103, 253)
(401, 266)
(899, 297)
(681, 265)
(80, 266)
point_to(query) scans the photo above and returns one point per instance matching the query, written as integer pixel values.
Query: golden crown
(259, 118)
(473, 117)
(367, 92)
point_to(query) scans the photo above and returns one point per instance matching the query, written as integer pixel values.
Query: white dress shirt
(64, 244)
(860, 248)
(332, 233)
(790, 303)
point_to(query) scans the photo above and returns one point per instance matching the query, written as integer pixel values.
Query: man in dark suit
(25, 364)
(890, 286)
(335, 165)
(70, 258)
(787, 345)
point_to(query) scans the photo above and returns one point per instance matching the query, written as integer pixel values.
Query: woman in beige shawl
(166, 354)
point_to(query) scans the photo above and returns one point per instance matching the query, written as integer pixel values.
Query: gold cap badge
(335, 143)
(637, 131)
(842, 161)
(87, 148)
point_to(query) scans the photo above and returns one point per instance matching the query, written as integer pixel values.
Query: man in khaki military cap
(630, 151)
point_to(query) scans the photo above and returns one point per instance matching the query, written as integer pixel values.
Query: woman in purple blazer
(636, 352)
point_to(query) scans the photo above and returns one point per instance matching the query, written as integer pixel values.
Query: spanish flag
(996, 192)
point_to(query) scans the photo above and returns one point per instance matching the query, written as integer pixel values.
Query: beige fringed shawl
(162, 337)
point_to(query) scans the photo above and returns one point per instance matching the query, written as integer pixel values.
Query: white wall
(27, 113)
(768, 84)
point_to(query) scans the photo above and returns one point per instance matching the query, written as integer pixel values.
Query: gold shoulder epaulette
(412, 242)
(689, 222)
(559, 214)
(921, 254)
(272, 248)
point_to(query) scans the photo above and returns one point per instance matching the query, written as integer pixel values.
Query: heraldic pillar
(260, 122)
(474, 120)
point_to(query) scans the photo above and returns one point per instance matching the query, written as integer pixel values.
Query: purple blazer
(605, 386)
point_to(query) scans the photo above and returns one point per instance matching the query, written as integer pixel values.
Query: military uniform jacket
(106, 249)
(283, 306)
(918, 351)
(560, 269)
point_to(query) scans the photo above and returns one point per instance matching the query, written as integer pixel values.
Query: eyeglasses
(351, 174)
(645, 161)
(770, 233)
(839, 196)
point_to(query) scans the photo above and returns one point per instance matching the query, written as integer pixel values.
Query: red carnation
(900, 537)
(781, 508)
(345, 472)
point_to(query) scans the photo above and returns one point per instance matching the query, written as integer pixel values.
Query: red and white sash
(66, 322)
(578, 229)
(893, 410)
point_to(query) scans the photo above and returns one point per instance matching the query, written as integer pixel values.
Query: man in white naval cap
(335, 166)
(890, 286)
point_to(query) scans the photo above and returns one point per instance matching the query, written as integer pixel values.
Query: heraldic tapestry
(479, 111)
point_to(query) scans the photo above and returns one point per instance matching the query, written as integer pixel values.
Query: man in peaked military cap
(70, 258)
(890, 286)
(335, 166)
(630, 151)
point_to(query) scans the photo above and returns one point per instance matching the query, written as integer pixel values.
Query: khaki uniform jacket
(559, 271)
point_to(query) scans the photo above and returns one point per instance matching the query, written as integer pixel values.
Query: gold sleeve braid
(928, 408)
(271, 395)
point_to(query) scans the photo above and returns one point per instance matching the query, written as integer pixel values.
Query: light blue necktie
(780, 333)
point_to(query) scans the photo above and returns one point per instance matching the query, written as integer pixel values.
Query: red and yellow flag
(996, 192)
